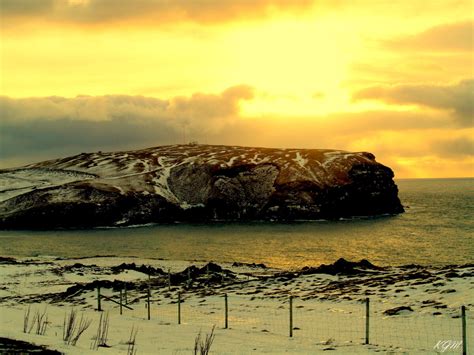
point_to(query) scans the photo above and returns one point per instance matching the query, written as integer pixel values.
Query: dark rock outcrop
(397, 310)
(342, 267)
(196, 183)
(13, 346)
(148, 270)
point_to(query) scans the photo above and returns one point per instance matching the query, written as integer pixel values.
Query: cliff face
(195, 183)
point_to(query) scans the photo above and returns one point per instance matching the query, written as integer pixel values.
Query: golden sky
(395, 78)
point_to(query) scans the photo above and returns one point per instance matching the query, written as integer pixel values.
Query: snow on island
(195, 183)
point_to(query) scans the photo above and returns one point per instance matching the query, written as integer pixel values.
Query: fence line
(357, 322)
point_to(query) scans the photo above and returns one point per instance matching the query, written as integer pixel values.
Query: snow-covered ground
(129, 171)
(328, 310)
(20, 181)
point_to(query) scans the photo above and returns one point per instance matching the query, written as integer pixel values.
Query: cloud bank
(442, 38)
(111, 107)
(34, 129)
(56, 125)
(103, 11)
(456, 147)
(457, 98)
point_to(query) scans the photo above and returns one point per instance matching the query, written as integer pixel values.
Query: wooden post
(116, 302)
(148, 297)
(99, 308)
(125, 295)
(367, 319)
(121, 300)
(226, 312)
(148, 302)
(291, 316)
(179, 307)
(169, 279)
(464, 330)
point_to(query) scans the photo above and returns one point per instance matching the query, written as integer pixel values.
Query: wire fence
(324, 322)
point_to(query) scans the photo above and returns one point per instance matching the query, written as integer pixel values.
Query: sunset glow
(392, 78)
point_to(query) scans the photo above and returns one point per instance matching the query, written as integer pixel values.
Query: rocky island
(195, 183)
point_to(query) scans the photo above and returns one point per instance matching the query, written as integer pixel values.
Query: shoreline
(38, 259)
(215, 222)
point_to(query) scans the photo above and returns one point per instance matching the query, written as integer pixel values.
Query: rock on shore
(195, 183)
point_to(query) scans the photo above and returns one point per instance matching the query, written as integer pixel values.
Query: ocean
(437, 229)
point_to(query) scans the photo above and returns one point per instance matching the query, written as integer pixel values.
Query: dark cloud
(202, 11)
(369, 122)
(411, 67)
(35, 129)
(446, 37)
(100, 11)
(458, 98)
(29, 138)
(25, 7)
(57, 126)
(458, 147)
(99, 108)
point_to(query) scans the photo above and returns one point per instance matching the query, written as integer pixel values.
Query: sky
(395, 78)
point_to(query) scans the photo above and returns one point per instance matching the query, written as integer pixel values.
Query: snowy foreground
(329, 306)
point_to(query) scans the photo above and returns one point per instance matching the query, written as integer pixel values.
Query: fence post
(125, 294)
(169, 279)
(121, 298)
(367, 319)
(226, 310)
(464, 330)
(291, 316)
(148, 297)
(179, 307)
(99, 308)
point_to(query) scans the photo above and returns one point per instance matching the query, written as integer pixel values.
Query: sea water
(437, 229)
